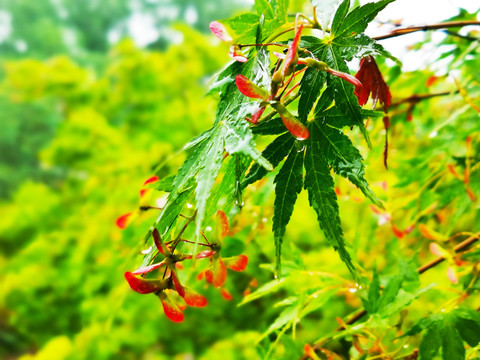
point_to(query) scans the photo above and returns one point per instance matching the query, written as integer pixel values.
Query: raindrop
(189, 206)
(146, 251)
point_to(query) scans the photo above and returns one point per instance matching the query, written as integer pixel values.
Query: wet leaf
(322, 197)
(288, 184)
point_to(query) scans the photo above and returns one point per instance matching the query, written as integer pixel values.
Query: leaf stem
(285, 103)
(412, 29)
(305, 26)
(267, 44)
(179, 236)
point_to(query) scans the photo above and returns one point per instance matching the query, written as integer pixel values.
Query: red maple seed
(372, 83)
(171, 309)
(151, 180)
(257, 115)
(222, 223)
(220, 32)
(291, 57)
(176, 282)
(296, 128)
(122, 221)
(194, 299)
(428, 232)
(143, 286)
(431, 80)
(209, 276)
(437, 250)
(452, 275)
(249, 89)
(226, 294)
(204, 254)
(351, 79)
(149, 268)
(219, 272)
(237, 263)
(158, 241)
(398, 233)
(236, 54)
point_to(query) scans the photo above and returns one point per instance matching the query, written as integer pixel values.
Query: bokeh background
(94, 95)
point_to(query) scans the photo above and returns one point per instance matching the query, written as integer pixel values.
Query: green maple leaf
(253, 28)
(210, 164)
(230, 133)
(345, 42)
(310, 86)
(447, 332)
(322, 197)
(288, 184)
(275, 152)
(343, 157)
(244, 26)
(397, 293)
(347, 24)
(325, 11)
(274, 14)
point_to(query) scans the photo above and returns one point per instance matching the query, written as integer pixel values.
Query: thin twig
(412, 29)
(459, 248)
(269, 44)
(417, 98)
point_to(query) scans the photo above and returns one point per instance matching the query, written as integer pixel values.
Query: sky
(410, 12)
(417, 12)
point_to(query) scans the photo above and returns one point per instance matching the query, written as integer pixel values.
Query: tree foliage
(280, 202)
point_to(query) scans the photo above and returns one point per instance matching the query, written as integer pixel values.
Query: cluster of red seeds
(174, 296)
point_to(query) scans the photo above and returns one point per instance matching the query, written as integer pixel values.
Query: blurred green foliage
(83, 124)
